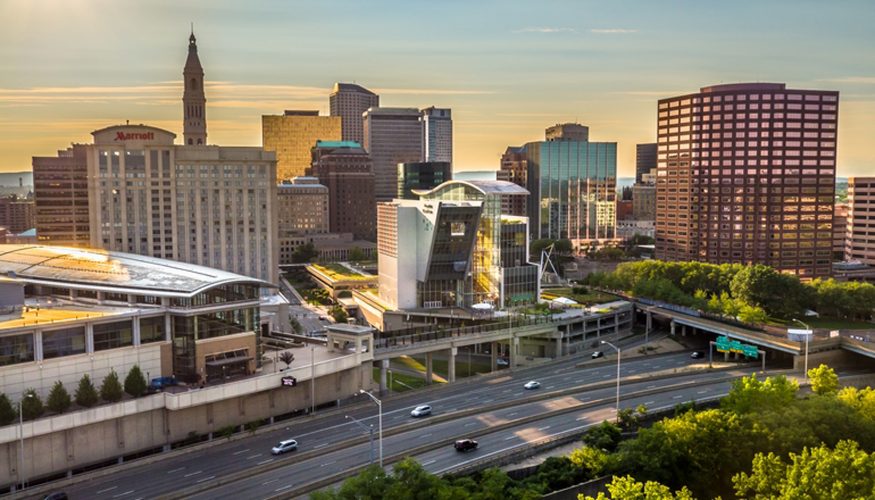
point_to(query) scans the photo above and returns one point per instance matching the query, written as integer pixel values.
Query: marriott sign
(134, 136)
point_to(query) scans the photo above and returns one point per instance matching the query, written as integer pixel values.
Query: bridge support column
(649, 322)
(514, 348)
(672, 327)
(683, 330)
(428, 369)
(384, 367)
(451, 365)
(493, 354)
(559, 344)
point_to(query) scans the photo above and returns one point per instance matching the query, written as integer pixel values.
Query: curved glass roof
(115, 272)
(484, 186)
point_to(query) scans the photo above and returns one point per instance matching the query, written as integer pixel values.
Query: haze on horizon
(508, 69)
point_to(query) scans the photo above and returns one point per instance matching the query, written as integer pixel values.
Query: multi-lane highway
(495, 410)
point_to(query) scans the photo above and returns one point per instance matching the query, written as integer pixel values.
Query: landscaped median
(302, 456)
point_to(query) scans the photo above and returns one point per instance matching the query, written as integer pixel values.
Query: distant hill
(11, 179)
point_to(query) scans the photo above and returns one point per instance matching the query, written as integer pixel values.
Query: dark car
(464, 445)
(159, 383)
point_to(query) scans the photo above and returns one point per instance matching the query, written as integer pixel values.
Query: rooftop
(54, 311)
(350, 87)
(115, 272)
(337, 144)
(484, 186)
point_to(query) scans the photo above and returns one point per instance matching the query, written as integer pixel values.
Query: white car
(502, 362)
(284, 446)
(421, 411)
(532, 384)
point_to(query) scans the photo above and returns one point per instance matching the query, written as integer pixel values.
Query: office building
(194, 101)
(292, 136)
(454, 248)
(421, 176)
(60, 188)
(437, 135)
(350, 101)
(572, 182)
(746, 174)
(514, 168)
(624, 209)
(860, 242)
(16, 214)
(346, 170)
(645, 159)
(302, 206)
(392, 136)
(644, 197)
(839, 230)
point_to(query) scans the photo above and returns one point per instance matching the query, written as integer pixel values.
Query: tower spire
(194, 101)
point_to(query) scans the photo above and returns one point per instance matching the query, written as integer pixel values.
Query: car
(58, 495)
(421, 411)
(697, 354)
(284, 446)
(502, 362)
(465, 445)
(532, 384)
(323, 318)
(598, 354)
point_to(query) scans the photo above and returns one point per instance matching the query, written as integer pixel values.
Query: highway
(488, 402)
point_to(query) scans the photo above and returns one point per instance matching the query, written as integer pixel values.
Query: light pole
(21, 437)
(379, 420)
(312, 379)
(369, 430)
(810, 332)
(618, 376)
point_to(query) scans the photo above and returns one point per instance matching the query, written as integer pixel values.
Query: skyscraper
(572, 185)
(194, 101)
(437, 134)
(392, 136)
(421, 175)
(345, 168)
(60, 189)
(514, 168)
(746, 173)
(567, 132)
(645, 159)
(349, 101)
(860, 240)
(293, 135)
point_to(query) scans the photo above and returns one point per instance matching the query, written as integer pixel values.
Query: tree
(844, 472)
(31, 405)
(296, 325)
(7, 412)
(135, 382)
(111, 388)
(749, 394)
(287, 357)
(778, 294)
(593, 460)
(304, 253)
(339, 314)
(605, 436)
(627, 488)
(86, 394)
(357, 255)
(59, 398)
(823, 380)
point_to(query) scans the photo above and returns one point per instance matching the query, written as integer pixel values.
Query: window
(16, 349)
(64, 342)
(113, 335)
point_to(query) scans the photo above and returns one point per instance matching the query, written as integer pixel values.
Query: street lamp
(379, 420)
(21, 437)
(618, 376)
(312, 378)
(369, 430)
(810, 332)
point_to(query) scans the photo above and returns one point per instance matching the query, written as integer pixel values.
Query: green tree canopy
(749, 394)
(8, 414)
(135, 382)
(823, 380)
(628, 488)
(31, 405)
(111, 388)
(86, 394)
(59, 399)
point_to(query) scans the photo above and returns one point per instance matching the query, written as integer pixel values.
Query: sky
(507, 68)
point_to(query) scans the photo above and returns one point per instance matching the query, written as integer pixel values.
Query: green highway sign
(725, 344)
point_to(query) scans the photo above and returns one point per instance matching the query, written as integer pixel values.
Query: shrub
(111, 388)
(86, 394)
(7, 412)
(59, 398)
(135, 382)
(31, 405)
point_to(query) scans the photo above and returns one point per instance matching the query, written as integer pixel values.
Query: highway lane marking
(580, 418)
(193, 473)
(506, 391)
(517, 394)
(429, 462)
(424, 436)
(512, 414)
(702, 392)
(328, 463)
(253, 456)
(487, 401)
(241, 451)
(123, 494)
(269, 460)
(651, 387)
(176, 470)
(678, 396)
(470, 424)
(268, 482)
(206, 479)
(649, 402)
(509, 437)
(320, 446)
(543, 428)
(607, 376)
(281, 488)
(108, 489)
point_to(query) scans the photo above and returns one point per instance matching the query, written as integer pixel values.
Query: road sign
(290, 381)
(725, 344)
(798, 335)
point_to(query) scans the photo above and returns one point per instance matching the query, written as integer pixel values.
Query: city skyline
(506, 76)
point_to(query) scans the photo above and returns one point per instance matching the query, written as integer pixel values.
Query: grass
(338, 272)
(587, 299)
(440, 366)
(401, 381)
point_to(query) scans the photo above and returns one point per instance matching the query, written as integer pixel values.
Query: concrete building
(292, 136)
(422, 175)
(860, 240)
(514, 168)
(645, 160)
(747, 174)
(302, 207)
(208, 205)
(572, 182)
(330, 247)
(350, 101)
(437, 135)
(346, 169)
(60, 188)
(194, 101)
(16, 214)
(454, 248)
(392, 136)
(644, 197)
(839, 231)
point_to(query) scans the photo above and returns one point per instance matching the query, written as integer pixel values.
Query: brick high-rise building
(349, 101)
(16, 214)
(60, 188)
(746, 173)
(860, 241)
(345, 168)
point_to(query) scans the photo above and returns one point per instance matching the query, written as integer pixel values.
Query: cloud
(545, 30)
(866, 80)
(612, 31)
(433, 91)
